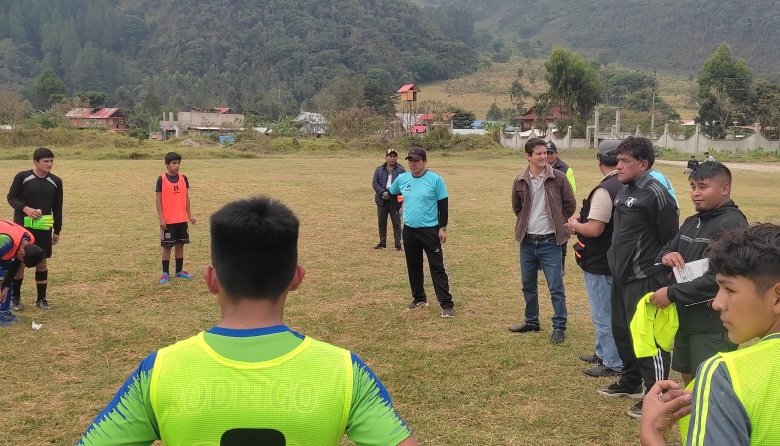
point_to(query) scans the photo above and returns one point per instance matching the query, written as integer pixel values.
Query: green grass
(465, 381)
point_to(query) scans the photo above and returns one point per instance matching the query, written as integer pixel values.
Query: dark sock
(17, 291)
(179, 264)
(41, 276)
(166, 266)
(41, 290)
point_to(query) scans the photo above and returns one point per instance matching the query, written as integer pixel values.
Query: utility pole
(652, 112)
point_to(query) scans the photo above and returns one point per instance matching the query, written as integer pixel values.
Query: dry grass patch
(463, 381)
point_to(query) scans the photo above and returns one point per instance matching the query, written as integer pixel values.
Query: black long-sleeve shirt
(645, 219)
(44, 193)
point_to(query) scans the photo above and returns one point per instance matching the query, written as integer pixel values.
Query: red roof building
(111, 119)
(528, 118)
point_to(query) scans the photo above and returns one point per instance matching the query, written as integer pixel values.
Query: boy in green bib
(251, 379)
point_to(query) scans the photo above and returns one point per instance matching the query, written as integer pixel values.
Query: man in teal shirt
(425, 229)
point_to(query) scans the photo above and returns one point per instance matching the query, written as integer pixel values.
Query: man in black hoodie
(701, 334)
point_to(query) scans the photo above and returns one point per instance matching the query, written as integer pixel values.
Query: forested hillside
(669, 35)
(268, 56)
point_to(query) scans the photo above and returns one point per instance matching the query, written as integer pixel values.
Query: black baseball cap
(391, 150)
(417, 154)
(551, 147)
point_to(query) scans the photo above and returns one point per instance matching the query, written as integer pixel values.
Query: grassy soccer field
(465, 381)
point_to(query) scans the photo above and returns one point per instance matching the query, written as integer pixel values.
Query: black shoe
(524, 328)
(43, 304)
(590, 359)
(620, 388)
(600, 371)
(380, 246)
(636, 410)
(557, 336)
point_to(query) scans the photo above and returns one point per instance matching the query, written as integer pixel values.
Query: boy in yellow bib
(251, 379)
(735, 396)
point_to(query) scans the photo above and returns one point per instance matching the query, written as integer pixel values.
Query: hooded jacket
(692, 242)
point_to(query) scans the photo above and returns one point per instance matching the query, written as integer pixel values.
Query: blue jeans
(547, 254)
(599, 289)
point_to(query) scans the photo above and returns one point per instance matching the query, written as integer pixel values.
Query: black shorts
(42, 239)
(174, 234)
(691, 349)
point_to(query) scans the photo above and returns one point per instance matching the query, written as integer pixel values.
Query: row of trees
(727, 95)
(267, 57)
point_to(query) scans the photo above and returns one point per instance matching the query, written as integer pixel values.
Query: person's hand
(673, 259)
(385, 195)
(664, 404)
(570, 224)
(163, 226)
(660, 299)
(442, 235)
(4, 295)
(32, 213)
(193, 220)
(55, 238)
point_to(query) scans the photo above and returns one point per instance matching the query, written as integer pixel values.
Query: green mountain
(269, 56)
(665, 35)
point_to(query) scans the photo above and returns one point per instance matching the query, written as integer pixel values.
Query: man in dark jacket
(701, 334)
(543, 201)
(386, 203)
(693, 163)
(645, 219)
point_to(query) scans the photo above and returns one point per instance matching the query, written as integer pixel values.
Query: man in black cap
(557, 164)
(425, 229)
(387, 203)
(593, 228)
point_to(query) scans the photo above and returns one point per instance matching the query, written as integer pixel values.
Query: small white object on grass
(36, 326)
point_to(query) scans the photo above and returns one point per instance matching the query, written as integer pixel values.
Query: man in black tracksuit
(645, 219)
(701, 334)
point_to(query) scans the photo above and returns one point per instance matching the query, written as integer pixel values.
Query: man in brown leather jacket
(543, 201)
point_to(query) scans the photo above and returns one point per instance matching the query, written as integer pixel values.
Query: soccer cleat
(16, 305)
(398, 248)
(43, 304)
(380, 246)
(448, 312)
(618, 389)
(184, 275)
(415, 304)
(165, 278)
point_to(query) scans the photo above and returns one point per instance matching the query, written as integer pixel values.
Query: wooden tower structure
(409, 105)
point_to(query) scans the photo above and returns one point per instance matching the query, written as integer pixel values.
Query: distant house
(200, 122)
(111, 119)
(431, 120)
(312, 123)
(528, 118)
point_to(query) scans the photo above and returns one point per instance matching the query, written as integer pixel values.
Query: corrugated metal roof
(222, 110)
(78, 113)
(103, 113)
(408, 87)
